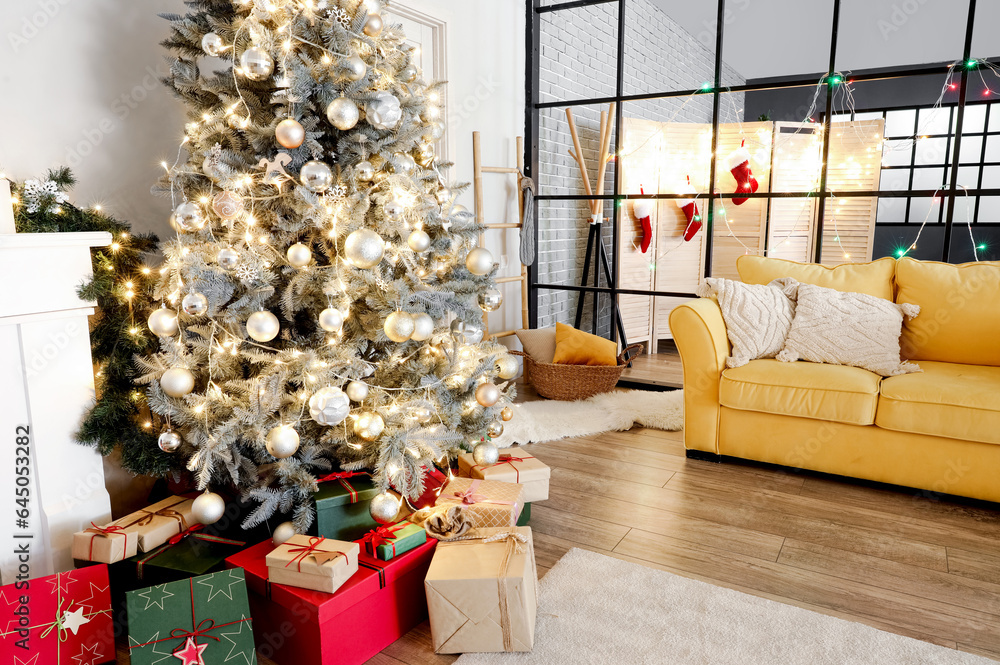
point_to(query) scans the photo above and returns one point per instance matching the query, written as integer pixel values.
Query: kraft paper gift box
(313, 562)
(482, 592)
(342, 505)
(205, 618)
(65, 619)
(488, 503)
(514, 466)
(155, 524)
(391, 540)
(110, 543)
(382, 602)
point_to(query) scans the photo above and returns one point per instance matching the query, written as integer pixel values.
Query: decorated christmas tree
(323, 297)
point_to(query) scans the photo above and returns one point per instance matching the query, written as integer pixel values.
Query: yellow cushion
(808, 390)
(959, 318)
(946, 399)
(874, 278)
(575, 347)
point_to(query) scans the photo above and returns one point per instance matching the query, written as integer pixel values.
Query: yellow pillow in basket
(575, 347)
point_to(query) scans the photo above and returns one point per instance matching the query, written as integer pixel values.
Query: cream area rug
(619, 410)
(594, 609)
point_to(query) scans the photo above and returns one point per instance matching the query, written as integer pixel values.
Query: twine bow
(313, 548)
(57, 625)
(106, 532)
(382, 535)
(166, 511)
(508, 459)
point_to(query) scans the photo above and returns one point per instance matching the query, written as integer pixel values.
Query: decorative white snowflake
(338, 193)
(35, 191)
(342, 16)
(246, 273)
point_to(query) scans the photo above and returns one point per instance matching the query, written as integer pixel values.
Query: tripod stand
(599, 255)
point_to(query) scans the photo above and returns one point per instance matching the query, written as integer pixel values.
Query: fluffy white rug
(547, 420)
(596, 609)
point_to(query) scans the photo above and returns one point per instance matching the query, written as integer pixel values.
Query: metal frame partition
(536, 10)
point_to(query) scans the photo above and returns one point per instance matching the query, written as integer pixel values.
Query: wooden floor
(661, 369)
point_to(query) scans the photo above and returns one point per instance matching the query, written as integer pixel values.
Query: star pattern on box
(88, 656)
(12, 624)
(155, 596)
(155, 643)
(32, 661)
(218, 586)
(246, 651)
(89, 602)
(73, 620)
(60, 583)
(191, 653)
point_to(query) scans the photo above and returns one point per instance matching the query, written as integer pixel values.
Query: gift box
(62, 619)
(382, 602)
(313, 562)
(525, 515)
(107, 544)
(434, 480)
(158, 522)
(342, 505)
(482, 592)
(390, 540)
(203, 619)
(514, 466)
(489, 503)
(191, 552)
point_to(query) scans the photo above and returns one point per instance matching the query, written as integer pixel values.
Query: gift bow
(519, 539)
(381, 536)
(313, 548)
(469, 497)
(176, 540)
(201, 630)
(107, 532)
(166, 511)
(507, 459)
(341, 477)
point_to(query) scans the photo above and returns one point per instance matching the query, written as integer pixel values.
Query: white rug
(548, 420)
(596, 609)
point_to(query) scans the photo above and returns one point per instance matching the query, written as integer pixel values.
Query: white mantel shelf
(32, 240)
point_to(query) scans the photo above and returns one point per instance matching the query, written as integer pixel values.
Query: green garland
(122, 287)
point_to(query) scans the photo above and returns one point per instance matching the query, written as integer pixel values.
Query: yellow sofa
(936, 430)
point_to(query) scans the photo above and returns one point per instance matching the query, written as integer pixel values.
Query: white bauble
(316, 176)
(423, 327)
(506, 367)
(256, 63)
(393, 210)
(364, 248)
(343, 113)
(419, 241)
(208, 508)
(163, 322)
(369, 426)
(282, 533)
(487, 394)
(177, 382)
(485, 454)
(194, 304)
(364, 171)
(398, 326)
(188, 217)
(408, 74)
(479, 261)
(213, 45)
(354, 68)
(263, 326)
(331, 320)
(373, 26)
(228, 258)
(383, 112)
(357, 390)
(282, 441)
(404, 163)
(329, 406)
(299, 255)
(435, 130)
(384, 508)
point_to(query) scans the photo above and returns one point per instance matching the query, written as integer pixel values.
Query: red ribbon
(508, 459)
(176, 540)
(105, 531)
(381, 536)
(302, 551)
(341, 477)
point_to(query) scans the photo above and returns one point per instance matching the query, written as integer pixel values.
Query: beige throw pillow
(539, 343)
(758, 316)
(853, 329)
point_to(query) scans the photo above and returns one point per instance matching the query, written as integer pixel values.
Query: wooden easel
(478, 171)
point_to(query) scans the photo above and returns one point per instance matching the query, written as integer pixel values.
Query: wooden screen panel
(795, 168)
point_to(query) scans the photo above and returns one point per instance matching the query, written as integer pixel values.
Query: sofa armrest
(700, 335)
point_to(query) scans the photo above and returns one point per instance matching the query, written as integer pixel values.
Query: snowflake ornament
(246, 273)
(341, 15)
(338, 193)
(35, 191)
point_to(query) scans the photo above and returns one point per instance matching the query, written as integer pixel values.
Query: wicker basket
(573, 382)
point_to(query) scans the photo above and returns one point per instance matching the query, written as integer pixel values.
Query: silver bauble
(331, 320)
(369, 426)
(419, 241)
(263, 326)
(457, 208)
(177, 382)
(507, 367)
(408, 74)
(442, 195)
(473, 334)
(213, 45)
(357, 390)
(435, 130)
(422, 414)
(343, 113)
(393, 210)
(329, 406)
(195, 304)
(188, 217)
(299, 255)
(282, 533)
(364, 171)
(290, 133)
(282, 441)
(487, 394)
(208, 508)
(316, 176)
(479, 261)
(398, 326)
(506, 413)
(228, 258)
(494, 429)
(486, 454)
(169, 441)
(384, 508)
(227, 205)
(364, 248)
(425, 154)
(354, 68)
(404, 164)
(163, 322)
(490, 300)
(256, 63)
(423, 327)
(373, 26)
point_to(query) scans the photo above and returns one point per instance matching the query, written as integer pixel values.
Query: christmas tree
(323, 295)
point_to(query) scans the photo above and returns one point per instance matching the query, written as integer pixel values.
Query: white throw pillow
(853, 329)
(758, 316)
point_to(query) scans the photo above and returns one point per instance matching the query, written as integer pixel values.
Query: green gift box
(391, 540)
(206, 617)
(525, 515)
(191, 552)
(342, 505)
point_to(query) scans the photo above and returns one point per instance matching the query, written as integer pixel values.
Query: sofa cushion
(946, 399)
(808, 390)
(959, 311)
(874, 278)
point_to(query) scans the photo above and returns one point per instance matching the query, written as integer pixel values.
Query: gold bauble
(373, 26)
(290, 133)
(163, 322)
(369, 426)
(487, 394)
(506, 367)
(364, 248)
(507, 413)
(398, 326)
(494, 429)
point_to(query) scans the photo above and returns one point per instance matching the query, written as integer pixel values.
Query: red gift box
(62, 619)
(377, 606)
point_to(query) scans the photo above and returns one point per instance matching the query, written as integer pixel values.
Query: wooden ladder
(478, 171)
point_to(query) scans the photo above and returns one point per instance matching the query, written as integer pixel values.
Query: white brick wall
(578, 61)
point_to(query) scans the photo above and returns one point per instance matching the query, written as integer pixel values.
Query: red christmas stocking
(643, 211)
(690, 210)
(739, 166)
